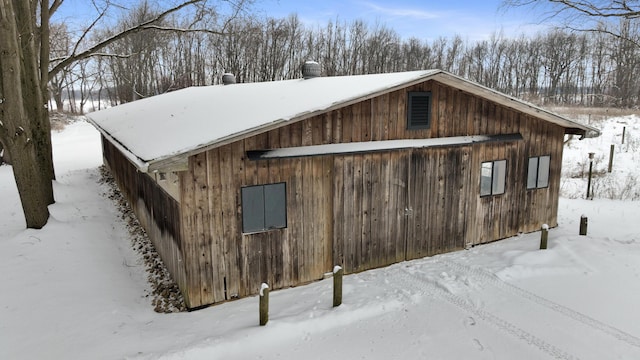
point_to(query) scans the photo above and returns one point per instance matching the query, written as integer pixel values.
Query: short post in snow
(613, 147)
(583, 225)
(337, 285)
(590, 173)
(544, 236)
(624, 130)
(264, 304)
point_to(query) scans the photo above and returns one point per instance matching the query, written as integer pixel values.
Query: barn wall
(156, 210)
(230, 264)
(456, 113)
(362, 210)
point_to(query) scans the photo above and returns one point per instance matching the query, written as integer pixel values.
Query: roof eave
(140, 164)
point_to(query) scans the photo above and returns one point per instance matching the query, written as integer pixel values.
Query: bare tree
(587, 15)
(25, 131)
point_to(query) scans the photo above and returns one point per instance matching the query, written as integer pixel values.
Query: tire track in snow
(429, 288)
(487, 276)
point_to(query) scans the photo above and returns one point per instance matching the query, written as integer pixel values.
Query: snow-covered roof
(152, 132)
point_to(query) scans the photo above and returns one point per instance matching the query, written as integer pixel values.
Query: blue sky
(426, 19)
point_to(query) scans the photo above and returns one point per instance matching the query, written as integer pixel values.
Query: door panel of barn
(370, 203)
(437, 193)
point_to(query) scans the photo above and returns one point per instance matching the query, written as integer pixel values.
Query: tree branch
(54, 7)
(99, 54)
(586, 11)
(100, 45)
(617, 8)
(173, 29)
(86, 31)
(608, 32)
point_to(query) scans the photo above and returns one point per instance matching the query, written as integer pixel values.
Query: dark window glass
(264, 207)
(275, 206)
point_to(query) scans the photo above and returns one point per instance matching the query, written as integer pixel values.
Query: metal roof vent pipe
(228, 79)
(310, 70)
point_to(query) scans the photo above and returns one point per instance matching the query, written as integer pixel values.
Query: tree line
(552, 67)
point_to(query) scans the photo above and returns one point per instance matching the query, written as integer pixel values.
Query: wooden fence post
(583, 225)
(544, 236)
(590, 173)
(264, 304)
(337, 285)
(624, 130)
(613, 147)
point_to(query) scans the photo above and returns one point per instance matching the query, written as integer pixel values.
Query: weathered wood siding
(228, 264)
(369, 209)
(157, 211)
(362, 210)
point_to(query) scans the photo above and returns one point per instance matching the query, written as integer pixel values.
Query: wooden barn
(277, 182)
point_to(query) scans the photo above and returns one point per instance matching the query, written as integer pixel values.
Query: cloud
(418, 14)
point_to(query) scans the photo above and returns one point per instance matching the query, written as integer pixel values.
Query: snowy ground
(76, 290)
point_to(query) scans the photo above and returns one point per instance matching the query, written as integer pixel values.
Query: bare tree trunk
(34, 87)
(16, 130)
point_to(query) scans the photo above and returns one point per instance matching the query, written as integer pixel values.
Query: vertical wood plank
(347, 124)
(203, 228)
(374, 119)
(294, 199)
(365, 120)
(357, 211)
(306, 234)
(319, 202)
(367, 209)
(192, 292)
(338, 211)
(377, 202)
(327, 126)
(307, 132)
(329, 194)
(401, 191)
(392, 110)
(401, 111)
(336, 126)
(349, 215)
(237, 247)
(215, 209)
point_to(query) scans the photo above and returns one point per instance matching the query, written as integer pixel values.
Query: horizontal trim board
(377, 146)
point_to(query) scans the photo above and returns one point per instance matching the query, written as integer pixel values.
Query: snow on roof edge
(140, 164)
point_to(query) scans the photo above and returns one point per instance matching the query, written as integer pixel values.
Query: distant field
(592, 113)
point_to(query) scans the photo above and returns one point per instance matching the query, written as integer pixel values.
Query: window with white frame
(538, 174)
(492, 177)
(264, 207)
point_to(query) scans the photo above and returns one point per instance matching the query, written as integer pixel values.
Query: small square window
(419, 110)
(538, 174)
(264, 207)
(492, 177)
